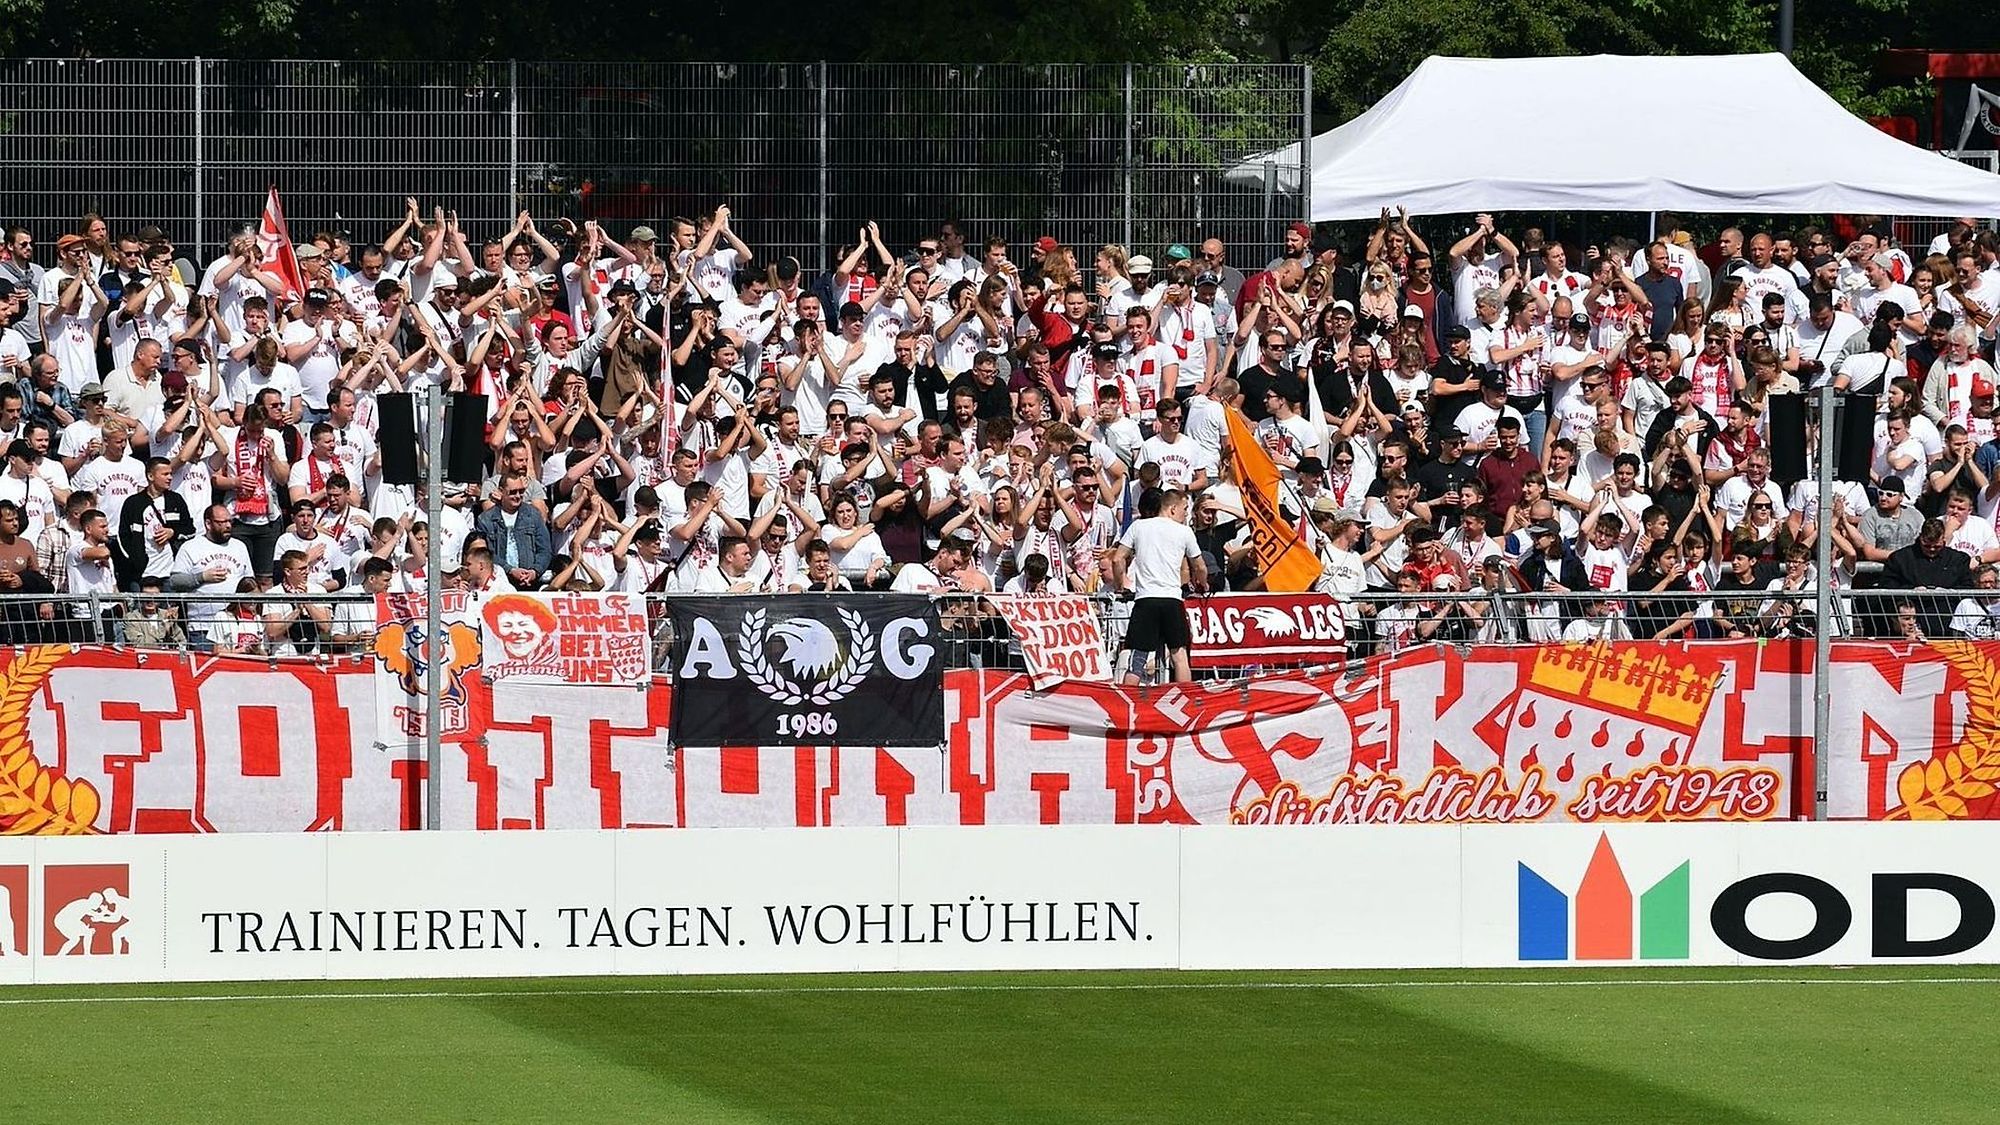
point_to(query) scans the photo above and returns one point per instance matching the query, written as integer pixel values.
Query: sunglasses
(927, 249)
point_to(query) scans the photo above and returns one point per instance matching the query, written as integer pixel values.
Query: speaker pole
(433, 615)
(1823, 630)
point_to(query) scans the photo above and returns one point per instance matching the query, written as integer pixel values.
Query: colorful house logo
(1604, 919)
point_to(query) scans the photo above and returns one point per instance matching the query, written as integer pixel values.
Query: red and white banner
(1238, 630)
(274, 246)
(402, 656)
(567, 639)
(116, 741)
(1059, 637)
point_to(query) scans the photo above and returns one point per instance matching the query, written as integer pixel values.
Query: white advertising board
(386, 905)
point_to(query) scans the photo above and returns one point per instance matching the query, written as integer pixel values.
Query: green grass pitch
(1603, 1046)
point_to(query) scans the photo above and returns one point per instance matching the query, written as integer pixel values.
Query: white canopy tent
(1705, 133)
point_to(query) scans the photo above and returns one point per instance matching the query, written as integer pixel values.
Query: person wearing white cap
(1139, 292)
(1881, 287)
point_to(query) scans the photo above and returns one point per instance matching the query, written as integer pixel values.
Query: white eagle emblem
(810, 667)
(1274, 621)
(810, 650)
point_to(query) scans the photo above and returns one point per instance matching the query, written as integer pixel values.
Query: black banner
(807, 669)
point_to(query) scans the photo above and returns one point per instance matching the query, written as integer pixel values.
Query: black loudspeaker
(396, 433)
(465, 438)
(1854, 436)
(1787, 428)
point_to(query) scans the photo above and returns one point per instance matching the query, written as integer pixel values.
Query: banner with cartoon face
(863, 670)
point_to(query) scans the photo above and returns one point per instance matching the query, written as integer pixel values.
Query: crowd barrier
(449, 904)
(124, 741)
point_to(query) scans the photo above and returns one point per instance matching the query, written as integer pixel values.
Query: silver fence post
(1130, 111)
(823, 177)
(97, 619)
(433, 613)
(1823, 627)
(513, 136)
(1306, 151)
(200, 189)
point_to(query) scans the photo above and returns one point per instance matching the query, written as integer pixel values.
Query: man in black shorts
(1155, 548)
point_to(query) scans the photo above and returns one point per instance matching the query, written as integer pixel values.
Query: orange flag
(1288, 564)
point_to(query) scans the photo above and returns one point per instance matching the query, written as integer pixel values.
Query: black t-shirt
(1436, 478)
(1445, 408)
(1255, 380)
(994, 401)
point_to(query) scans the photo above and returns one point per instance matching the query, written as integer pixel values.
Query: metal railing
(973, 636)
(804, 153)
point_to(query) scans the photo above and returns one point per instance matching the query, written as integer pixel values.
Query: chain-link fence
(803, 153)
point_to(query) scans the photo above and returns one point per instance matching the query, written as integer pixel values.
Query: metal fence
(803, 153)
(975, 637)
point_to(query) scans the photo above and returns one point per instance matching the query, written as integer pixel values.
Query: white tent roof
(1438, 144)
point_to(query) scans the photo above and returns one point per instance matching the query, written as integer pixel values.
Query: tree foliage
(1359, 49)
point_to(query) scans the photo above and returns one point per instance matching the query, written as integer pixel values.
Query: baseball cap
(1104, 351)
(1324, 504)
(1540, 529)
(1886, 260)
(174, 383)
(1579, 320)
(1309, 464)
(1303, 230)
(1458, 332)
(643, 233)
(1982, 388)
(91, 390)
(1492, 381)
(1818, 260)
(67, 241)
(1046, 244)
(306, 250)
(1209, 278)
(317, 296)
(547, 280)
(443, 278)
(1344, 305)
(1179, 253)
(1449, 433)
(1413, 312)
(1892, 484)
(1139, 264)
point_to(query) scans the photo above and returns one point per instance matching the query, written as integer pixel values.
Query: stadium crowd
(671, 410)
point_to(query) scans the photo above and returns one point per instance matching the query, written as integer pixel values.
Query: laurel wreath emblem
(1944, 787)
(34, 801)
(853, 669)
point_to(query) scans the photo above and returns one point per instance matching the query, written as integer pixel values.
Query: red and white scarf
(253, 487)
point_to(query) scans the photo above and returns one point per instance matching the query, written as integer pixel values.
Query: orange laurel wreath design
(1940, 788)
(34, 801)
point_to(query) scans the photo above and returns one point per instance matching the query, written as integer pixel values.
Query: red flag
(274, 245)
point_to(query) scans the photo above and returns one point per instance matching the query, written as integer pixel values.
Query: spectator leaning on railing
(667, 410)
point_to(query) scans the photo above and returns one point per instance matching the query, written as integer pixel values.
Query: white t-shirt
(1159, 546)
(113, 481)
(1773, 278)
(1179, 460)
(319, 571)
(715, 275)
(317, 370)
(1185, 332)
(35, 499)
(200, 553)
(87, 577)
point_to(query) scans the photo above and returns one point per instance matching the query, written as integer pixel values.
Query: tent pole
(1823, 581)
(1306, 150)
(1785, 28)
